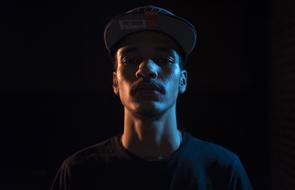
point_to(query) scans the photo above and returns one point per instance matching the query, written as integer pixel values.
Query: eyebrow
(163, 49)
(129, 50)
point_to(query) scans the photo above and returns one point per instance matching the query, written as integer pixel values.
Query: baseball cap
(151, 18)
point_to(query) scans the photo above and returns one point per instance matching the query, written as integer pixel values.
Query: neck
(151, 139)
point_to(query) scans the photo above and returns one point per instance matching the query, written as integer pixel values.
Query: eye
(165, 60)
(127, 60)
(130, 60)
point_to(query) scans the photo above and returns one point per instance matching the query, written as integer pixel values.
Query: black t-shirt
(195, 165)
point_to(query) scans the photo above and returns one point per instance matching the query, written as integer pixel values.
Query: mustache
(144, 84)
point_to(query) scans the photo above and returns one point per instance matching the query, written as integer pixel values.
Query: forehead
(147, 41)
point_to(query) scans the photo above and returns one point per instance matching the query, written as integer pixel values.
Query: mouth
(148, 89)
(147, 92)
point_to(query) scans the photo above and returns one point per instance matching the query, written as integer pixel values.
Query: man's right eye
(129, 60)
(125, 60)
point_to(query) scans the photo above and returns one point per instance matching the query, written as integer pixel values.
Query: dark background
(56, 83)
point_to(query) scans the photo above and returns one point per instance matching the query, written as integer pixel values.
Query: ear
(183, 81)
(115, 83)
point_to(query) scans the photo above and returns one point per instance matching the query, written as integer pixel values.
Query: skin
(150, 123)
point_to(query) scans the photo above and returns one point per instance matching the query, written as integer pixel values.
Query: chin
(149, 115)
(149, 110)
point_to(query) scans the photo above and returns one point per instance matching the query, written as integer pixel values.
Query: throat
(150, 150)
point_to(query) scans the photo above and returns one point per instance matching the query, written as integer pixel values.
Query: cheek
(126, 74)
(172, 76)
(125, 79)
(172, 83)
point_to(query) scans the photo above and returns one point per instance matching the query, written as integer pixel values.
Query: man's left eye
(165, 60)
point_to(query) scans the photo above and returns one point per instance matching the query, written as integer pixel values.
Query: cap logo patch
(131, 24)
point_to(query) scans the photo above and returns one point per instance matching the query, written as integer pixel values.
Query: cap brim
(176, 27)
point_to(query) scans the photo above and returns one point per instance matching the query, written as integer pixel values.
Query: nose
(147, 70)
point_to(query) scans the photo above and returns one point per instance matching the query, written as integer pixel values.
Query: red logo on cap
(152, 19)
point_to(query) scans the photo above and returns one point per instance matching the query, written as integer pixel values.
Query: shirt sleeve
(239, 179)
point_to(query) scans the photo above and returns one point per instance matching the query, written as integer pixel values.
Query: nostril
(139, 74)
(147, 69)
(153, 74)
(146, 73)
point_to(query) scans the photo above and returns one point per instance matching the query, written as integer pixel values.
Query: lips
(147, 88)
(147, 91)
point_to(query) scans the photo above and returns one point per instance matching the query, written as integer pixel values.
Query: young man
(149, 46)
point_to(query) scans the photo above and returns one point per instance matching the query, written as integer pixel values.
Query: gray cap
(151, 18)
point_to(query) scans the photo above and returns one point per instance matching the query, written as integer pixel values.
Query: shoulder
(222, 166)
(211, 153)
(99, 152)
(79, 170)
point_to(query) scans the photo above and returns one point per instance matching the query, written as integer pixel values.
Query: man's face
(148, 77)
